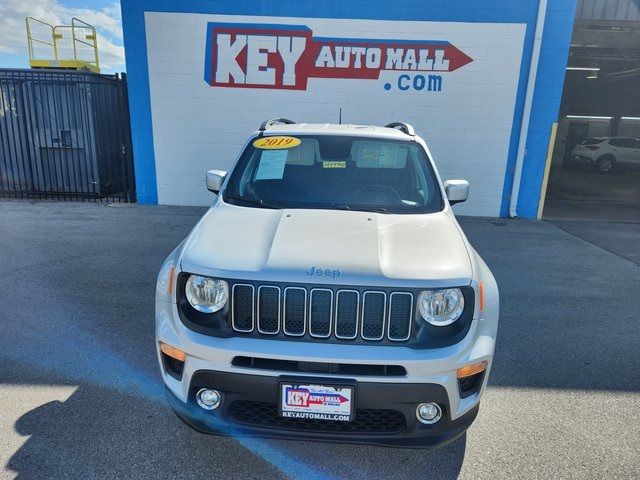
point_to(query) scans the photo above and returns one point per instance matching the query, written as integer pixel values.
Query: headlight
(441, 307)
(207, 295)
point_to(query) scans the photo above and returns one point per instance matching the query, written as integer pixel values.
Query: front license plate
(317, 402)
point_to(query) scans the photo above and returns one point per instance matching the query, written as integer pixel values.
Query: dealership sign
(286, 56)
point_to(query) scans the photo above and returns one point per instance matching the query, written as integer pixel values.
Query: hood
(328, 246)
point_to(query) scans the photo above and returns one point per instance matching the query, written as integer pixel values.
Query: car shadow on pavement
(102, 433)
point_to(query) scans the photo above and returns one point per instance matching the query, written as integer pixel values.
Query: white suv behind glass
(328, 293)
(605, 152)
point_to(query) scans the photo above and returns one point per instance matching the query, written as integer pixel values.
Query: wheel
(605, 163)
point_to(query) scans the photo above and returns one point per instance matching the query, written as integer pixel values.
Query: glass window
(337, 172)
(624, 142)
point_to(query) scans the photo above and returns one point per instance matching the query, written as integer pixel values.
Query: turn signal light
(172, 274)
(173, 352)
(471, 369)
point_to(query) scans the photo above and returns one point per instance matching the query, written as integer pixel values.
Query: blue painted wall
(546, 104)
(555, 45)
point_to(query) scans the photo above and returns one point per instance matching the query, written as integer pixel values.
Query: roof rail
(272, 121)
(403, 127)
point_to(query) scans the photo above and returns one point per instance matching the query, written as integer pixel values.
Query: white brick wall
(197, 127)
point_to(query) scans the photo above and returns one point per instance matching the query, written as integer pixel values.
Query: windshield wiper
(371, 209)
(257, 202)
(359, 208)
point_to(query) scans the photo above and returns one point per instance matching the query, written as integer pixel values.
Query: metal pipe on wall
(526, 113)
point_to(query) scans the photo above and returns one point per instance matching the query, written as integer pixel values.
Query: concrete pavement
(81, 397)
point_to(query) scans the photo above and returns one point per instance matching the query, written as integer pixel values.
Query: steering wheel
(392, 193)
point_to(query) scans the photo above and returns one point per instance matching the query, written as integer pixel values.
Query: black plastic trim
(319, 367)
(423, 334)
(401, 397)
(469, 385)
(172, 366)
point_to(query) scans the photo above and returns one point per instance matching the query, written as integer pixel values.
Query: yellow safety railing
(73, 47)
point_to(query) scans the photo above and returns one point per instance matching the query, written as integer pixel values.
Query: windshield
(335, 172)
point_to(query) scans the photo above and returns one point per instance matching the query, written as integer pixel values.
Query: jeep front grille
(268, 310)
(242, 307)
(347, 314)
(374, 306)
(320, 312)
(295, 311)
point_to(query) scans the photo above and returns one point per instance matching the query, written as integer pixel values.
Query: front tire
(605, 164)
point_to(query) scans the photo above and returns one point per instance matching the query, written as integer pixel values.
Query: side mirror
(457, 191)
(215, 179)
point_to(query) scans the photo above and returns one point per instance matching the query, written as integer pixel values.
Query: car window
(616, 142)
(629, 143)
(335, 172)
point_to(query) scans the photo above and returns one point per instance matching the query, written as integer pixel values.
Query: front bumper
(385, 412)
(430, 376)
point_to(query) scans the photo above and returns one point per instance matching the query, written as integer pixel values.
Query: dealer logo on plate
(301, 397)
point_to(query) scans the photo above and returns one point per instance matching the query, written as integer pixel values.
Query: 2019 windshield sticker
(244, 55)
(276, 142)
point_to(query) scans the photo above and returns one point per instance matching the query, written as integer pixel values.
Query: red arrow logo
(286, 56)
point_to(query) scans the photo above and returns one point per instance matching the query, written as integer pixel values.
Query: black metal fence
(65, 135)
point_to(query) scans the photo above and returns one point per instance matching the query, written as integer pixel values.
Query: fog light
(208, 399)
(428, 413)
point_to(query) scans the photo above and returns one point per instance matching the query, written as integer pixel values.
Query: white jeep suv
(328, 293)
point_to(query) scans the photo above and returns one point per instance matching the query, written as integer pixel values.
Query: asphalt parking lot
(80, 395)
